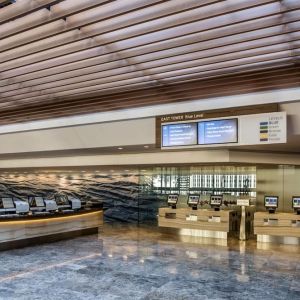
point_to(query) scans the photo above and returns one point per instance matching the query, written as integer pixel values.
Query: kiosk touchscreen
(62, 202)
(296, 204)
(36, 203)
(193, 201)
(8, 205)
(172, 200)
(271, 203)
(216, 201)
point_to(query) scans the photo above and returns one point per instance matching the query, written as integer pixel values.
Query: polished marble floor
(142, 263)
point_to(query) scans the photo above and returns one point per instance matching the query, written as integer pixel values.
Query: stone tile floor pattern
(125, 262)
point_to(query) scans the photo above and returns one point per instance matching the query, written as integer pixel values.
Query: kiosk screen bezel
(293, 203)
(171, 200)
(211, 203)
(5, 202)
(189, 202)
(62, 200)
(272, 205)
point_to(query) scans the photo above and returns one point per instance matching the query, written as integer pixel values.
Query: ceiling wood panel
(67, 57)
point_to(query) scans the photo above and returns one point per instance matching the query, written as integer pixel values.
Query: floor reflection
(127, 262)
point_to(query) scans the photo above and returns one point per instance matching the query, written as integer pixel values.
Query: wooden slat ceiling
(70, 57)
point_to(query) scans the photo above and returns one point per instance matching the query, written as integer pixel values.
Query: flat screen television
(222, 131)
(180, 134)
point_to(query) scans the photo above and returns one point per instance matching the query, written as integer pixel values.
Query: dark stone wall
(119, 193)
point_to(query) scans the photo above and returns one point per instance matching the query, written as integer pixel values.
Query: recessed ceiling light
(146, 146)
(120, 148)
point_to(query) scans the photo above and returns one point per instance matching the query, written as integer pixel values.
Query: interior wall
(135, 194)
(117, 191)
(281, 181)
(113, 134)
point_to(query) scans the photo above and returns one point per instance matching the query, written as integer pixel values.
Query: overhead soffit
(73, 56)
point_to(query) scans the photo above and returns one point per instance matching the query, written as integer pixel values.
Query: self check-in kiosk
(296, 204)
(193, 201)
(9, 205)
(216, 202)
(40, 204)
(65, 202)
(172, 200)
(271, 203)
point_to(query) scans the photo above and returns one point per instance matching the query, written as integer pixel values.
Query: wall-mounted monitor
(271, 201)
(181, 134)
(296, 202)
(222, 131)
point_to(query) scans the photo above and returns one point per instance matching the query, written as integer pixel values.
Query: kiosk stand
(243, 203)
(216, 202)
(191, 221)
(278, 227)
(271, 203)
(296, 204)
(193, 201)
(172, 200)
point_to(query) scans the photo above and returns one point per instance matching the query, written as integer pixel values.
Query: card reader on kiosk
(22, 207)
(271, 203)
(172, 200)
(193, 201)
(51, 205)
(296, 204)
(75, 203)
(216, 201)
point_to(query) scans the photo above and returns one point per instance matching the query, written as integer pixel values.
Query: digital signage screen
(218, 131)
(181, 134)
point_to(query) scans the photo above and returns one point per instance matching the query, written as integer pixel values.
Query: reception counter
(278, 227)
(18, 232)
(201, 222)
